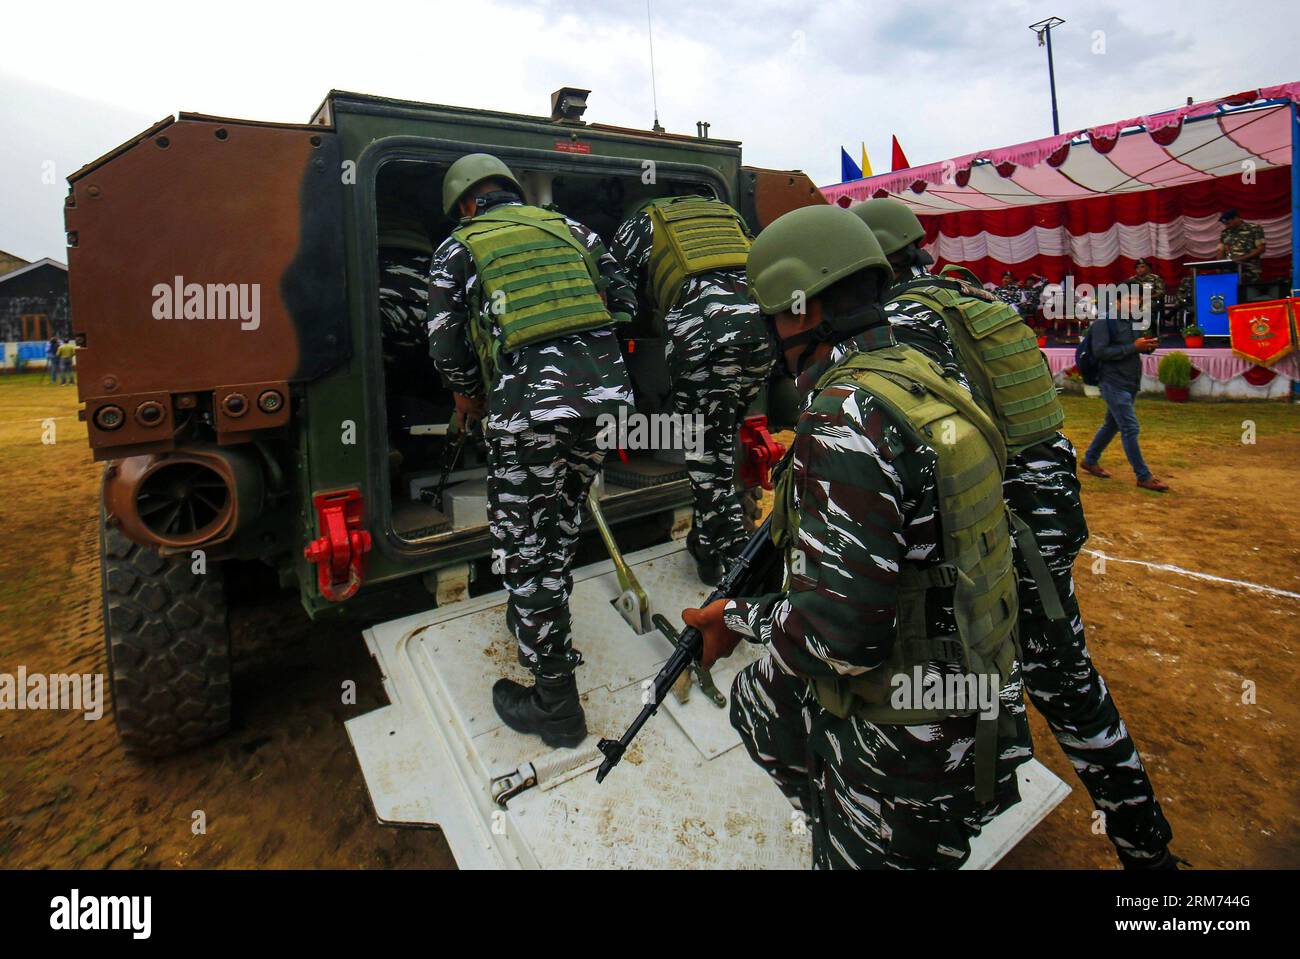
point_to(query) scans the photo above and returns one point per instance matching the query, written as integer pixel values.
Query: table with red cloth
(1215, 372)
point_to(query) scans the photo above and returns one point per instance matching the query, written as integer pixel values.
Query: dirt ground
(284, 790)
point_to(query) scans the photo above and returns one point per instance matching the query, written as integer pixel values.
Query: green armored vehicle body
(254, 404)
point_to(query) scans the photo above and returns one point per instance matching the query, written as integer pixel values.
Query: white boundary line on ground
(1208, 577)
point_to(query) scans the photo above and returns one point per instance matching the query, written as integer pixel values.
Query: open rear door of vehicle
(686, 795)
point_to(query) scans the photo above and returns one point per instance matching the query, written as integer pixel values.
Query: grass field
(283, 789)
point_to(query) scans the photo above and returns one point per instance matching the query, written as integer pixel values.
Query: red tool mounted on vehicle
(338, 553)
(761, 453)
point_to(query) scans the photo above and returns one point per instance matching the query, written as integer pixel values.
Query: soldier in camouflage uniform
(1186, 306)
(718, 351)
(404, 256)
(1243, 243)
(1042, 489)
(540, 401)
(1010, 291)
(880, 789)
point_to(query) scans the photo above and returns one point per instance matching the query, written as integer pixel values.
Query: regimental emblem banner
(1263, 333)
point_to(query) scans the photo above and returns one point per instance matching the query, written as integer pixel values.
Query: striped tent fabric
(1093, 201)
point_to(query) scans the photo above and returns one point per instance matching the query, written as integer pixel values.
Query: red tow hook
(761, 453)
(337, 554)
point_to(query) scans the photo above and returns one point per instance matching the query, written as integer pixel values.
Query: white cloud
(793, 82)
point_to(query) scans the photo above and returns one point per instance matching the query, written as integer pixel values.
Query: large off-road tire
(168, 645)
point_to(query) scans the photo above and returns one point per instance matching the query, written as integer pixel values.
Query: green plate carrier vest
(1000, 354)
(1012, 384)
(977, 565)
(540, 280)
(692, 235)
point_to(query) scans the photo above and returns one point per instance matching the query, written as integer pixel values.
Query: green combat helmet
(807, 250)
(894, 225)
(469, 171)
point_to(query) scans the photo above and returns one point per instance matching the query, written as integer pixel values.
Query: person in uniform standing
(898, 574)
(522, 308)
(1243, 243)
(687, 255)
(970, 335)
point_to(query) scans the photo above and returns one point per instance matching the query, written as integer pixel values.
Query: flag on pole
(866, 164)
(848, 169)
(900, 161)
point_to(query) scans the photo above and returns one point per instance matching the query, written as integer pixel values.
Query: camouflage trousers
(537, 486)
(1042, 488)
(719, 391)
(873, 796)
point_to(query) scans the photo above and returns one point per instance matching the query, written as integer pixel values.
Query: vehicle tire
(168, 646)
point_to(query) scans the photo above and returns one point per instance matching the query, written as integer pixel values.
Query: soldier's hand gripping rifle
(742, 578)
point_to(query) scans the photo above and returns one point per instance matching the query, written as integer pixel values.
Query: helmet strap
(834, 330)
(493, 197)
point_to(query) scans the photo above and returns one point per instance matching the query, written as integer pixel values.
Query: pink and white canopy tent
(1092, 202)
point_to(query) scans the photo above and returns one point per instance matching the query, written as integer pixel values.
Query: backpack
(1000, 354)
(1085, 360)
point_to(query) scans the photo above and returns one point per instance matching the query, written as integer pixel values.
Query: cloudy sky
(793, 80)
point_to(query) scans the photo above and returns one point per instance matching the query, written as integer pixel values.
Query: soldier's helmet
(468, 172)
(894, 225)
(807, 250)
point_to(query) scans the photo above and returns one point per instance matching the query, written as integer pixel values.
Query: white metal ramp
(685, 796)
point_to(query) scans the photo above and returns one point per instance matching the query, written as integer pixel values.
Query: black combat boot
(550, 709)
(1161, 863)
(708, 566)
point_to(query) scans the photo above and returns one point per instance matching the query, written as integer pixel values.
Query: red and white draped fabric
(1092, 202)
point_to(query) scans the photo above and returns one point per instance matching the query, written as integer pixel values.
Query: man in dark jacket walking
(1117, 349)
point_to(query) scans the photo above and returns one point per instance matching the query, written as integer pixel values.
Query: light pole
(1044, 30)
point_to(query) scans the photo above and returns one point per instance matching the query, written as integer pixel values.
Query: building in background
(33, 300)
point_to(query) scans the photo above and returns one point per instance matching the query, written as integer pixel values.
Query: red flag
(900, 161)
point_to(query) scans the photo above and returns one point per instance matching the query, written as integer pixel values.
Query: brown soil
(283, 789)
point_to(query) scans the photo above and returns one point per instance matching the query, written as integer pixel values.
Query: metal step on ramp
(686, 796)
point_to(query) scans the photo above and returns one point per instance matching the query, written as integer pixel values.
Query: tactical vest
(692, 235)
(1000, 354)
(976, 570)
(538, 279)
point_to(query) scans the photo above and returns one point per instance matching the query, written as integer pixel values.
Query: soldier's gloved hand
(468, 408)
(719, 642)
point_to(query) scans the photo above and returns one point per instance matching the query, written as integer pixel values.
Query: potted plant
(1175, 371)
(1193, 336)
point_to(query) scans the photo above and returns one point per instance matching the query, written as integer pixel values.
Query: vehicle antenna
(654, 94)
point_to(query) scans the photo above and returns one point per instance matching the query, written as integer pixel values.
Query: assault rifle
(750, 570)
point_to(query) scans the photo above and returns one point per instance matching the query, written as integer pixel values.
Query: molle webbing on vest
(536, 277)
(1000, 355)
(976, 571)
(692, 235)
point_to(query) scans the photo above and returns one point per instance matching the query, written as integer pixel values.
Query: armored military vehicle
(237, 381)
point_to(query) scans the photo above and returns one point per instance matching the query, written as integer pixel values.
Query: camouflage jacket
(579, 375)
(714, 308)
(868, 502)
(403, 302)
(1012, 293)
(1238, 241)
(1155, 287)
